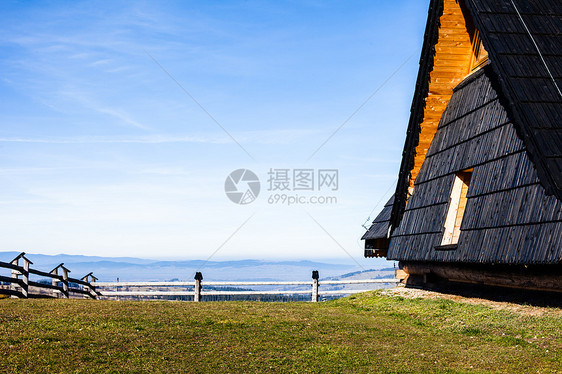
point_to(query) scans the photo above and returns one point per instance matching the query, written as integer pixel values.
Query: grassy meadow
(369, 332)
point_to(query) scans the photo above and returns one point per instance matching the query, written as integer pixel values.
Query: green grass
(365, 333)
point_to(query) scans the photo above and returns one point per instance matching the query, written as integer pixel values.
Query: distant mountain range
(137, 269)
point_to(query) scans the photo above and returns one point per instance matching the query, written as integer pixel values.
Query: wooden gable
(495, 125)
(457, 52)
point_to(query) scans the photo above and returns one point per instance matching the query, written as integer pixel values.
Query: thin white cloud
(87, 102)
(122, 116)
(34, 170)
(118, 69)
(167, 171)
(101, 62)
(375, 160)
(380, 176)
(17, 202)
(274, 136)
(156, 139)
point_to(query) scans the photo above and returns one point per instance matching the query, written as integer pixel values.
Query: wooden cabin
(479, 192)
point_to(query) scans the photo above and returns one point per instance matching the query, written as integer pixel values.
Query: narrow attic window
(479, 54)
(457, 205)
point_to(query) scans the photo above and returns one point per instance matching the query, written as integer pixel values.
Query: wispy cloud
(380, 176)
(17, 202)
(123, 117)
(274, 136)
(34, 170)
(101, 62)
(375, 160)
(277, 136)
(152, 139)
(167, 171)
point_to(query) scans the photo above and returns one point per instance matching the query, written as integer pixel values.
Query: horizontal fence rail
(61, 285)
(197, 290)
(20, 286)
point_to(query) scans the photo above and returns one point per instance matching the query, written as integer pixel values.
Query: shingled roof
(523, 39)
(379, 228)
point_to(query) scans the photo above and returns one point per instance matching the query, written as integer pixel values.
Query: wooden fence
(196, 288)
(19, 285)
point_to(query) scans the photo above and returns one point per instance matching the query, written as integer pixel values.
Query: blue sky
(103, 153)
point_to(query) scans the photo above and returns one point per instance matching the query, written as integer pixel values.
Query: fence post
(12, 284)
(93, 291)
(15, 274)
(65, 272)
(197, 288)
(25, 277)
(90, 288)
(24, 274)
(315, 286)
(55, 281)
